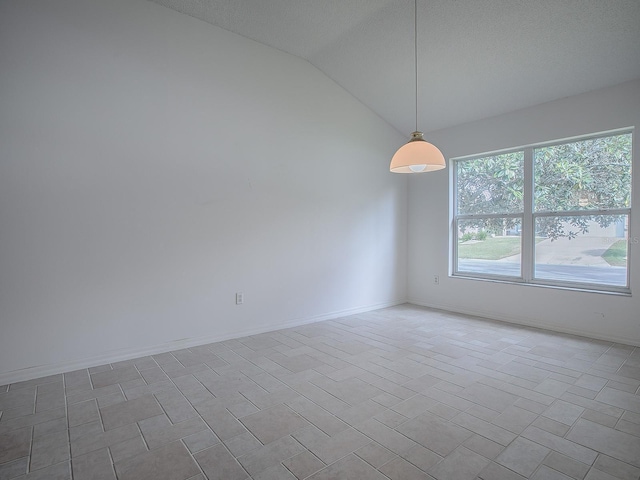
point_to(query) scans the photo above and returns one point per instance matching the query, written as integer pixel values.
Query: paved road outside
(568, 273)
(576, 260)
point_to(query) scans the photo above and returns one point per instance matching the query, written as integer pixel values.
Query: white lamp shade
(417, 156)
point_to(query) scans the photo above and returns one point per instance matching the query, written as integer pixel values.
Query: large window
(554, 214)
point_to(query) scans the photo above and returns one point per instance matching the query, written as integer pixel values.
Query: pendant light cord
(415, 51)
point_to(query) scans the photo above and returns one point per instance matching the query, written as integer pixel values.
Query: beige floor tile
(421, 457)
(129, 411)
(601, 418)
(95, 465)
(19, 411)
(561, 445)
(200, 441)
(551, 426)
(351, 390)
(514, 419)
(54, 426)
(620, 399)
(340, 445)
(30, 420)
(273, 423)
(483, 446)
(552, 387)
(611, 442)
(360, 413)
(530, 405)
(154, 375)
(59, 471)
(631, 417)
(385, 436)
(390, 418)
(169, 462)
(311, 436)
(318, 416)
(461, 464)
(593, 405)
(444, 411)
(486, 429)
(88, 443)
(14, 468)
(616, 468)
(483, 413)
(582, 392)
(628, 427)
(83, 412)
(494, 471)
(434, 433)
(111, 377)
(406, 390)
(375, 455)
(296, 363)
(84, 395)
(277, 472)
(522, 456)
(546, 473)
(563, 412)
(400, 469)
(49, 450)
(36, 381)
(218, 464)
(304, 464)
(591, 382)
(414, 406)
(91, 428)
(15, 444)
(270, 455)
(566, 465)
(348, 468)
(223, 424)
(242, 444)
(489, 397)
(128, 448)
(165, 434)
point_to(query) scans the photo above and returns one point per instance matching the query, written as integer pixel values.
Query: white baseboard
(127, 354)
(527, 322)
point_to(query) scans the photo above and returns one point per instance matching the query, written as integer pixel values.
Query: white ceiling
(478, 58)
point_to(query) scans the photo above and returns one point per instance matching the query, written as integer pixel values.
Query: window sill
(622, 292)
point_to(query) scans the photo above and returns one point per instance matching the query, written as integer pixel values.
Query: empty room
(305, 239)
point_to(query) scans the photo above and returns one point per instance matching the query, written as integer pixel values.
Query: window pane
(584, 249)
(490, 184)
(591, 174)
(490, 246)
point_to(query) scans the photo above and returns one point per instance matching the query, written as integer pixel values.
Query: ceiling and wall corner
(478, 58)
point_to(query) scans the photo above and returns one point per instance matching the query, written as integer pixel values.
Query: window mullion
(558, 204)
(528, 229)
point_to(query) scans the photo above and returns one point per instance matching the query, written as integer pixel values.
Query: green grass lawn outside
(616, 254)
(493, 248)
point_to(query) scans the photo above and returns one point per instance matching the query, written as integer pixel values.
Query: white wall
(152, 165)
(598, 315)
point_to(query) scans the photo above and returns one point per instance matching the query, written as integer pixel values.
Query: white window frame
(528, 217)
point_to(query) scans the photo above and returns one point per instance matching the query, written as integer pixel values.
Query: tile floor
(399, 393)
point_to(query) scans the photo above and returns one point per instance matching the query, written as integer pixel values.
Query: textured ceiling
(478, 58)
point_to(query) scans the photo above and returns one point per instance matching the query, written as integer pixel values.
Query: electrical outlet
(436, 279)
(239, 298)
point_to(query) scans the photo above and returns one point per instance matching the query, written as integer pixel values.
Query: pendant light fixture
(417, 155)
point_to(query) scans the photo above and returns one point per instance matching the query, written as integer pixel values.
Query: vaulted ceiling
(477, 58)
